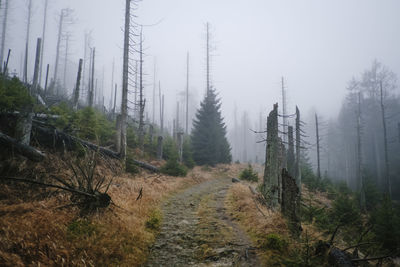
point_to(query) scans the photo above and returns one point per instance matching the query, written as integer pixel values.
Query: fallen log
(57, 139)
(25, 150)
(146, 166)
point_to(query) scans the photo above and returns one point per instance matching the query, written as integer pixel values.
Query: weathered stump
(289, 205)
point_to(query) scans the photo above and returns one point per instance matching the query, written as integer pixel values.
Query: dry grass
(257, 221)
(35, 230)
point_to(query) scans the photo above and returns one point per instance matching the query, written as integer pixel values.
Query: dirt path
(196, 230)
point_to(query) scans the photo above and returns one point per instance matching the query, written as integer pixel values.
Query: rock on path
(197, 231)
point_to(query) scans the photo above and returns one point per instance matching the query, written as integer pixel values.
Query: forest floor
(197, 230)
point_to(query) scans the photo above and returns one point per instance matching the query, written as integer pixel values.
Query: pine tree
(209, 142)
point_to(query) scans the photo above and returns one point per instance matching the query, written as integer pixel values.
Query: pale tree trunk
(66, 65)
(37, 66)
(115, 99)
(3, 34)
(92, 88)
(78, 82)
(284, 112)
(43, 40)
(187, 94)
(360, 182)
(125, 72)
(297, 162)
(46, 80)
(208, 58)
(154, 94)
(387, 172)
(28, 29)
(142, 101)
(60, 29)
(112, 86)
(318, 154)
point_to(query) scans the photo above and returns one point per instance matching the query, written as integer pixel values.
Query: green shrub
(249, 174)
(13, 95)
(187, 155)
(169, 148)
(386, 222)
(154, 221)
(274, 242)
(173, 168)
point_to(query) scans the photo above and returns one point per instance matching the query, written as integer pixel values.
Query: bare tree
(65, 17)
(125, 72)
(318, 148)
(385, 142)
(28, 30)
(46, 3)
(78, 81)
(3, 34)
(187, 94)
(142, 101)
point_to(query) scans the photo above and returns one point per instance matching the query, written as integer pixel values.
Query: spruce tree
(209, 142)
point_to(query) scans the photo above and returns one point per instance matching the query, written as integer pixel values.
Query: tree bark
(27, 41)
(125, 73)
(60, 29)
(387, 171)
(318, 155)
(3, 34)
(43, 40)
(23, 149)
(298, 138)
(77, 86)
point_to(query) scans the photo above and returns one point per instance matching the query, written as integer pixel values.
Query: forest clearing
(129, 138)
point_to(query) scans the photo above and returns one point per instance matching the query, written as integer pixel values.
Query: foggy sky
(316, 45)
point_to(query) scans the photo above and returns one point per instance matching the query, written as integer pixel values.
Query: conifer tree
(209, 142)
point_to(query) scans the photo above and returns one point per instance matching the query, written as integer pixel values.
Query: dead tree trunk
(91, 88)
(298, 138)
(23, 149)
(208, 58)
(160, 147)
(271, 172)
(187, 95)
(290, 154)
(118, 134)
(360, 182)
(387, 172)
(66, 64)
(28, 27)
(78, 83)
(154, 94)
(43, 40)
(3, 33)
(125, 73)
(142, 101)
(47, 79)
(180, 146)
(37, 66)
(290, 198)
(60, 29)
(318, 155)
(112, 87)
(24, 127)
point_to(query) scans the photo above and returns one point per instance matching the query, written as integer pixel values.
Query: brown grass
(35, 229)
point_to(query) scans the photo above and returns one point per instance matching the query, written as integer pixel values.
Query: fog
(317, 46)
